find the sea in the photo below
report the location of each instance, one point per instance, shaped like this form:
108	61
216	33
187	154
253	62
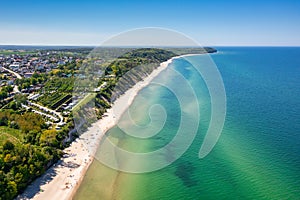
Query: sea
257	155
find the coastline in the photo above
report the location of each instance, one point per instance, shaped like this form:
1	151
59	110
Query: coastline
62	180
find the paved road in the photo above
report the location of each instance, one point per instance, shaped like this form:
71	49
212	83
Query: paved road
15	73
16	89
61	118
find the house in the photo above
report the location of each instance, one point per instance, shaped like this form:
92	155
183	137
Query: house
61	63
10	82
28	74
40	68
1	69
15	66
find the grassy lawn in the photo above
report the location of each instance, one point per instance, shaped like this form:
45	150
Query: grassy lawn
84	101
11	134
10	52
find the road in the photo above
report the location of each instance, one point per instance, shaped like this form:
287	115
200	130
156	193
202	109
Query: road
16	89
61	118
15	73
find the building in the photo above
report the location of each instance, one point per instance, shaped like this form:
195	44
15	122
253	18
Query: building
28	75
15	66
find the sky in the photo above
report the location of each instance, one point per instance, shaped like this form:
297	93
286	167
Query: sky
209	22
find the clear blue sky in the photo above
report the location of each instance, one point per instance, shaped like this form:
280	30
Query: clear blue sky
210	22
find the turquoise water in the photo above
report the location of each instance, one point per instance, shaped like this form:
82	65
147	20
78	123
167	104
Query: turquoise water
258	153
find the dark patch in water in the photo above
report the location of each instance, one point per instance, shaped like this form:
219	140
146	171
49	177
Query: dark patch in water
185	172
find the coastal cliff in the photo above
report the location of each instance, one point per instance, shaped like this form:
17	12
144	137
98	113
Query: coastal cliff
139	63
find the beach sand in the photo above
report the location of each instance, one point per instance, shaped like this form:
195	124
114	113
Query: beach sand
62	179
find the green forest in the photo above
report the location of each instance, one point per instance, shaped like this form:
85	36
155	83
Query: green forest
27	149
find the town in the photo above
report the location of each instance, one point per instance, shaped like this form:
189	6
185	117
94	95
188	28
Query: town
26	73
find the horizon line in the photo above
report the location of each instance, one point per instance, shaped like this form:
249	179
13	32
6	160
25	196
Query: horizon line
93	45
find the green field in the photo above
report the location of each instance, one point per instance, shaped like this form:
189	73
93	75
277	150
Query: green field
10	52
11	134
84	101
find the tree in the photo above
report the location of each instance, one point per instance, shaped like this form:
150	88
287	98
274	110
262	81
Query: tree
30	121
14	125
8	89
8	145
11	189
33	81
3	95
32	137
3	119
48	138
20	99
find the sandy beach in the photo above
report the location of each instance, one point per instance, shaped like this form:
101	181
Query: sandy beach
62	179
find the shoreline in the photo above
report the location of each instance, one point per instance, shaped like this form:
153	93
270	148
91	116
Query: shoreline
62	180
